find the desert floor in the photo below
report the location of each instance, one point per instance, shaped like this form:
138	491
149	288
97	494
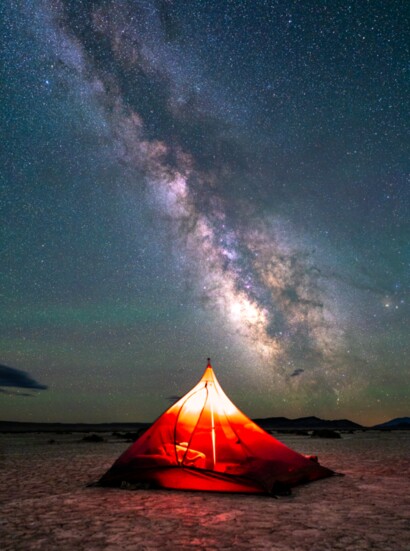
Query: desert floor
45	504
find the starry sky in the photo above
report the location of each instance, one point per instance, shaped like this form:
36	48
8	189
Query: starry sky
183	179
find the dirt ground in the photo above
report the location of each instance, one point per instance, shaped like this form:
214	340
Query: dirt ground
45	504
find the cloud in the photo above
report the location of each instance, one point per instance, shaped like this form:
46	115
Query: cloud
297	372
11	377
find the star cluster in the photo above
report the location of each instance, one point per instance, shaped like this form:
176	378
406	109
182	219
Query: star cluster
191	179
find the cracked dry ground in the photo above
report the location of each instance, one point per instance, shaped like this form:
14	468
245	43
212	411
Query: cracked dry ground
44	502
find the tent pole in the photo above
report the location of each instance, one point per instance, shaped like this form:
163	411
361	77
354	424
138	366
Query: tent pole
212	428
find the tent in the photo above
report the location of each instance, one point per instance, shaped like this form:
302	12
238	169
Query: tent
203	442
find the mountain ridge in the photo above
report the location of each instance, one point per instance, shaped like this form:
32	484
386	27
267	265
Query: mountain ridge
399	423
268	423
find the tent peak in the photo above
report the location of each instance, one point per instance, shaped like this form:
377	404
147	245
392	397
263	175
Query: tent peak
209	372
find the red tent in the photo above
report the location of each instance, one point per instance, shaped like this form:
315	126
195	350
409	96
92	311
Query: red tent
203	442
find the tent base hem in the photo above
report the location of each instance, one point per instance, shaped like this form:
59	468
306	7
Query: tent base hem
191	479
184	478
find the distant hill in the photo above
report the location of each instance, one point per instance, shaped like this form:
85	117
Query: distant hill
272	423
267	423
400	423
16	426
306	423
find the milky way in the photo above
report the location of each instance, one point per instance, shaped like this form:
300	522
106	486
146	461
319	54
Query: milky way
253	187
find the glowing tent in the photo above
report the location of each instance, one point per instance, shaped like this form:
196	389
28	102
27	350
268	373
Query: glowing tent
203	442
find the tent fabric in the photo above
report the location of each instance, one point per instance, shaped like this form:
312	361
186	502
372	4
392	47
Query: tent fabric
204	442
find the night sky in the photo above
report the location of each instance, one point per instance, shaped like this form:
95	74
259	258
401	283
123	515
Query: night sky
184	179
